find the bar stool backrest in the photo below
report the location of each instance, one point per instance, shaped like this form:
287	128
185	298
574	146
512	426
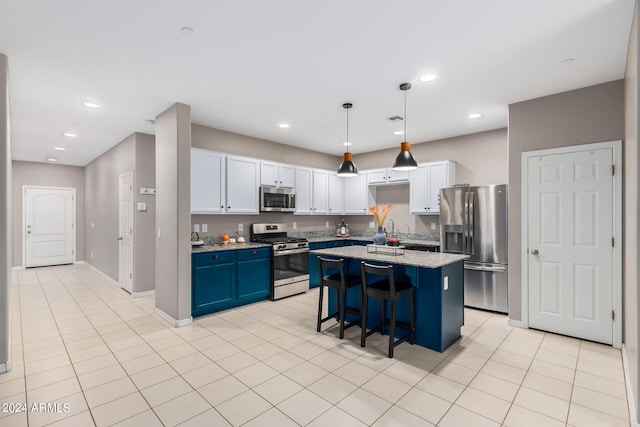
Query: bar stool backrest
328	264
385	271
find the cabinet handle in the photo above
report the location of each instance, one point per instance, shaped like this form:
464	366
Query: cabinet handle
222	207
254	253
215	257
228	207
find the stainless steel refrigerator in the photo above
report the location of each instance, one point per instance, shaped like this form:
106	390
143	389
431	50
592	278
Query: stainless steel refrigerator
473	221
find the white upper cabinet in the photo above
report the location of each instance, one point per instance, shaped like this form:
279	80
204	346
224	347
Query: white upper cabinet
304	179
356	192
312	191
336	193
207	182
426	183
242	185
275	174
386	176
320	191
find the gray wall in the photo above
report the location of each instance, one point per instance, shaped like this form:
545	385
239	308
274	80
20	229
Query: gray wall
48	175
592	114
136	153
465	150
232	143
631	209
5	217
144	223
101	205
173	213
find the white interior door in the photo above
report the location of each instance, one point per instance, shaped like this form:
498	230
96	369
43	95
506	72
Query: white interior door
49	226
125	239
570	254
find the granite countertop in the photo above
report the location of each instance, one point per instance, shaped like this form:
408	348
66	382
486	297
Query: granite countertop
414	258
336	237
228	247
370	239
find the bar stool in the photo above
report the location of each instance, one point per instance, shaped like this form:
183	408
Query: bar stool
340	281
386	289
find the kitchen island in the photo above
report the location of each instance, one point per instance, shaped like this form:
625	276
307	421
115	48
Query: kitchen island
438	280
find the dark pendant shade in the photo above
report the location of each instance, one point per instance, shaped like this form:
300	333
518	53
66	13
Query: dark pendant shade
347	168
404	160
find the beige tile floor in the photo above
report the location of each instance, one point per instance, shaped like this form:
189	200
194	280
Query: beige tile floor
105	359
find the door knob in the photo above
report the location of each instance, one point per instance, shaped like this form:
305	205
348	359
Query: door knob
119	238
534	252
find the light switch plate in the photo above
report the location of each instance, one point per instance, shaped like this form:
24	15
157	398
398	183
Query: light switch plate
446	282
240	227
433	226
205	227
372	225
196	227
295	225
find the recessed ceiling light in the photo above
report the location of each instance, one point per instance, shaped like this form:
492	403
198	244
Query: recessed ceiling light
346	143
567	61
52	159
90	104
325	129
187	31
475	115
70	134
150	122
399	132
284	125
427	77
59	148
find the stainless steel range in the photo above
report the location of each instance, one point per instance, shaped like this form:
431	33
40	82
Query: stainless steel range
290	259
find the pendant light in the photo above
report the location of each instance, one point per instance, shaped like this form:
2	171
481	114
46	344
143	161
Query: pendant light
404	160
347	168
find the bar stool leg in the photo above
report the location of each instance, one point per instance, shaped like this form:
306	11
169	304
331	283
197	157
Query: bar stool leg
321	293
363	314
342	310
392	327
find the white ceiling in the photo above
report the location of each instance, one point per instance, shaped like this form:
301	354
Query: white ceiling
253	64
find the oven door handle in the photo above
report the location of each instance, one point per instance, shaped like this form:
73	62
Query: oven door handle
290	252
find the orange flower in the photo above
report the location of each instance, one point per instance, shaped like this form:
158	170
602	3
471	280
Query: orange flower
380	213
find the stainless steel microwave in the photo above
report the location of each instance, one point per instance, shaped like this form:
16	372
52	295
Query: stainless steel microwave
277	199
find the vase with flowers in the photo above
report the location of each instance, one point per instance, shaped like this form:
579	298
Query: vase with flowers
380	216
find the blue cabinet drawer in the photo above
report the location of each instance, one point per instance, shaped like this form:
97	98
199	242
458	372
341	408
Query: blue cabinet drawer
247	254
212	258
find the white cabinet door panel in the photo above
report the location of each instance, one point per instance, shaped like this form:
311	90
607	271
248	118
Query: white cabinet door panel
336	193
242	185
207	182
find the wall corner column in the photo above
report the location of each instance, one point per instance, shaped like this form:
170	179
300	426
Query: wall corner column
5	218
173	215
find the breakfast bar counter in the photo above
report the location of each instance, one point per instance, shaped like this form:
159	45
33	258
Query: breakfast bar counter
438	280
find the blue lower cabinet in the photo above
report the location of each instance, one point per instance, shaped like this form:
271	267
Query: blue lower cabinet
226	279
254	275
213	282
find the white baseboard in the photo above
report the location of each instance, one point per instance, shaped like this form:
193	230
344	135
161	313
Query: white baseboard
5	367
517	323
143	293
171	320
108	279
18	267
633	415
